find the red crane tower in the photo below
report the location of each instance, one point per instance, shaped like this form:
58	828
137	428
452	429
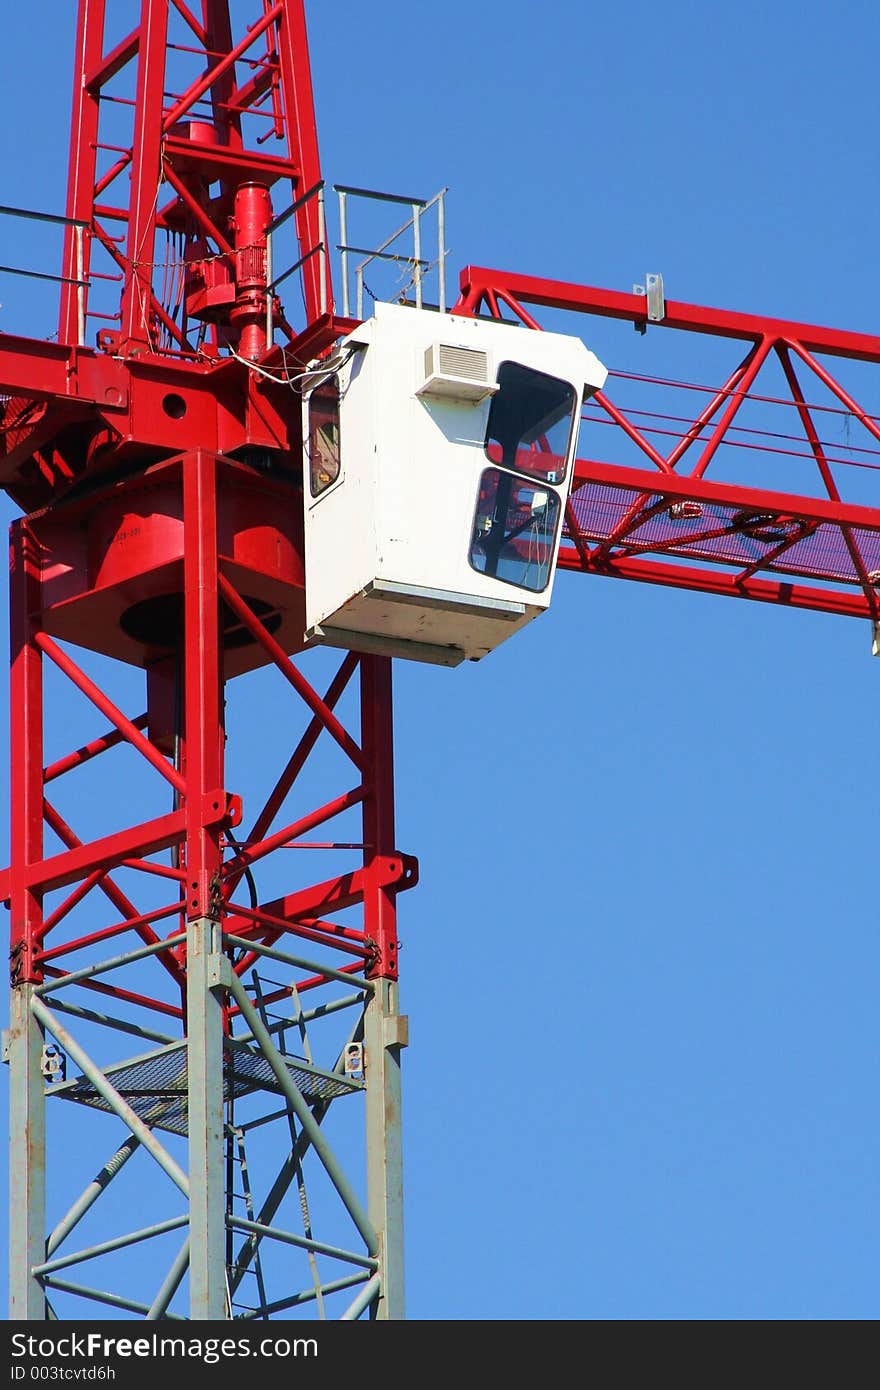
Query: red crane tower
155	449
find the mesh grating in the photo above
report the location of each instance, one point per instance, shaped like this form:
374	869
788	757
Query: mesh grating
815	552
155	1085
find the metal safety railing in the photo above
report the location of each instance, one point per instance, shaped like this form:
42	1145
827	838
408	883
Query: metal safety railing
414	260
419	265
79	230
319	249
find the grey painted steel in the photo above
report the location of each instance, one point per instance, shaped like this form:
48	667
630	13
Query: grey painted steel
240	1223
301	1109
309	1015
117	1243
106	1021
170	1284
299	962
27	1157
306	1069
299	1023
238	1137
38	275
280	1186
418	206
343	238
98	1184
273	282
384	1148
307	1296
80	287
379	196
111	964
286	215
34	216
207	1248
113	1300
277	1193
441	250
116	1102
322	242
266	1119
417	255
363	1300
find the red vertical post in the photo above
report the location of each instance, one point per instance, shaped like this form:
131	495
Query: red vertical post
218	39
145	174
377	741
27	1124
302	143
83	157
203	731
26	773
385	1029
203	749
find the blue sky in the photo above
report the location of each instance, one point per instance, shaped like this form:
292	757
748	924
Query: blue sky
641	966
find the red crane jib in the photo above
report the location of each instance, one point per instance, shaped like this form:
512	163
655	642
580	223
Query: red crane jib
758	487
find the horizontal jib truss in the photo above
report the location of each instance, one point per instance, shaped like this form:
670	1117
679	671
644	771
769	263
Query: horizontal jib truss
757	482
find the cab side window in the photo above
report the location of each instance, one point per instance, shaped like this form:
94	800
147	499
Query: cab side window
323	439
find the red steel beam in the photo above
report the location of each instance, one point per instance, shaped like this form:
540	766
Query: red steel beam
125	726
724	323
90	750
79	943
203	727
290	672
278	926
385	871
59	870
816	600
124	996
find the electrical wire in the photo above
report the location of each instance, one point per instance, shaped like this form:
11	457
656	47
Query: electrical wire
328	368
746	429
731	391
742	444
249	878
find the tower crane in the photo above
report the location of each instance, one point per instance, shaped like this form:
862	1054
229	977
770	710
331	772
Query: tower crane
216	484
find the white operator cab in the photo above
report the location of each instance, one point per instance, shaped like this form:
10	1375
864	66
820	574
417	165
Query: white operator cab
438	454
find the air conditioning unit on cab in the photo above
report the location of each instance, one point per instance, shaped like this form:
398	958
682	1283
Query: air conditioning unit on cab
459	374
437	460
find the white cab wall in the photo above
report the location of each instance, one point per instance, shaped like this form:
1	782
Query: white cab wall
387	545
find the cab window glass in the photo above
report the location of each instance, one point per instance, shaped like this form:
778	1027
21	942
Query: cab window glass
323	440
531	419
514	535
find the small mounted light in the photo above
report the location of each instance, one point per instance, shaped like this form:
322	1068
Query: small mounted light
685	511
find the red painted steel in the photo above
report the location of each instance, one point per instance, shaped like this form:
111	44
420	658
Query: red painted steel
691	514
26	789
201	829
162	478
162	475
175	213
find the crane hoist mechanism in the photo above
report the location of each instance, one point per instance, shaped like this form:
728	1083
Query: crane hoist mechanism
211	483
